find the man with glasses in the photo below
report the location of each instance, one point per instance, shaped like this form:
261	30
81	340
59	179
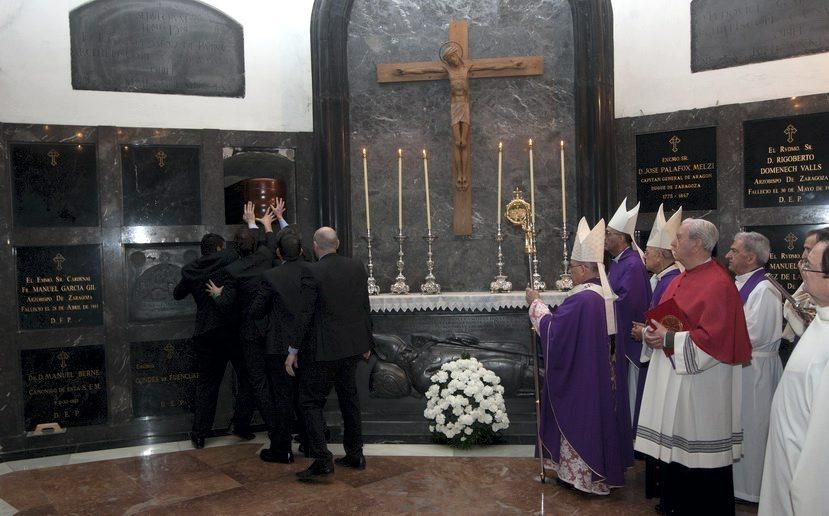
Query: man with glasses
796	324
762	305
578	435
796	456
629	280
692	422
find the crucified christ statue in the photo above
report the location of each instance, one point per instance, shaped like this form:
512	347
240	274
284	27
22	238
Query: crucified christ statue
459	69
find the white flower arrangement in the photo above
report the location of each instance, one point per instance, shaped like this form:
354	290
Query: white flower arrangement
465	404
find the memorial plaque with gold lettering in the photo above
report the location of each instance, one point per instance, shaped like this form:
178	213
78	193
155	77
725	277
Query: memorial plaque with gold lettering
164	375
54	184
786	250
677	168
64	385
59	286
152	274
161	185
786	161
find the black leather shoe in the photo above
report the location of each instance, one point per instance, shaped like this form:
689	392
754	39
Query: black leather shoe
352	461
318	468
269	455
197	440
244	433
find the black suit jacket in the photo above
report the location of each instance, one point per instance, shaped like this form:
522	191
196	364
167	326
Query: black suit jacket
244	278
342	319
194	277
287	295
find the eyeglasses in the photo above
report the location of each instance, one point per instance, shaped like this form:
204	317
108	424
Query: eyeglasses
571	267
806	267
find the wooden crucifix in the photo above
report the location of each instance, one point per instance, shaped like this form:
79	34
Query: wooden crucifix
456	65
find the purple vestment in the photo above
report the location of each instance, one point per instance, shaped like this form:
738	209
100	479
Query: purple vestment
578	401
629	280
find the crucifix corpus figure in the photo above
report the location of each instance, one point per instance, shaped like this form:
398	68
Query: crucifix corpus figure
456	65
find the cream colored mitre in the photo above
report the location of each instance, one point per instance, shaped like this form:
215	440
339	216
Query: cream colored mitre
624	221
664	232
588	246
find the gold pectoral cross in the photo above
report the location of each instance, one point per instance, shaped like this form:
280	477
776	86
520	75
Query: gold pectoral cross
160	156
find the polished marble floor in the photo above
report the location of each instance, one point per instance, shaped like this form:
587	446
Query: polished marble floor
227	477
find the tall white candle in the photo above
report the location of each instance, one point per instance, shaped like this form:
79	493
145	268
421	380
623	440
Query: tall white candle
563	190
532	185
400	190
365	187
500	161
426	181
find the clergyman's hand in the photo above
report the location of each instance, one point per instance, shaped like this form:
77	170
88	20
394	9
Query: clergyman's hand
636	331
212	289
248	214
366	355
655	335
290	364
532	295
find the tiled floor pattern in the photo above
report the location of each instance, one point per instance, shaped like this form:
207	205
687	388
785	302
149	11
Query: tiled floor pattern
228	478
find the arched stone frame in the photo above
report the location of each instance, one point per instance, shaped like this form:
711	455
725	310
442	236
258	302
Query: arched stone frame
594	113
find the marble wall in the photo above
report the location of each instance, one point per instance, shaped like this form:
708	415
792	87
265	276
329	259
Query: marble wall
412	116
117	246
730	215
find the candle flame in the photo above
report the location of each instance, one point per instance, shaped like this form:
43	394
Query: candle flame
562	143
424	153
500	145
364	152
399	153
531	143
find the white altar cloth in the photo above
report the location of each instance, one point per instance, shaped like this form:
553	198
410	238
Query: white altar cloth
480	301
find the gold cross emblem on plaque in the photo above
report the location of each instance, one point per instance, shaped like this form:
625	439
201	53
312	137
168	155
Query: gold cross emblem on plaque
63	356
59	259
53	157
790	131
160	156
169	349
791	238
674	141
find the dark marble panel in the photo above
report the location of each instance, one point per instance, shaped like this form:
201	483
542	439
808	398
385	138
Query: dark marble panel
161	185
157	46
731	214
54	184
677	168
787	161
152	274
726	33
786	250
59	287
413	116
164	375
64	385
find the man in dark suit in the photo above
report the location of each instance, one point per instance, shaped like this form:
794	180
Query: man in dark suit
286	296
213	337
341	337
236	296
